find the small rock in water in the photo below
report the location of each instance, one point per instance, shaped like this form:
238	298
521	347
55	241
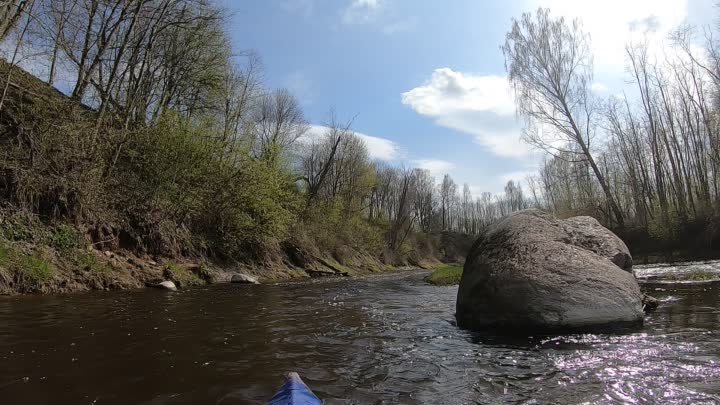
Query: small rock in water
167	285
649	303
243	279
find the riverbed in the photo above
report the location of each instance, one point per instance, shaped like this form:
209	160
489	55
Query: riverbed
388	339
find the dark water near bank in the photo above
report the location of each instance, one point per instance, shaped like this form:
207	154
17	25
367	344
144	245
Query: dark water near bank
383	340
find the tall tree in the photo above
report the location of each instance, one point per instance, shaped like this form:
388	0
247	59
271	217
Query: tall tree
550	67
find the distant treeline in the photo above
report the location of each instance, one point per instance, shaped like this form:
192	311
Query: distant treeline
647	161
166	140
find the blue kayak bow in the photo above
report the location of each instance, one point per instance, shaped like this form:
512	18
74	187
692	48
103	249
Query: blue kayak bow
294	392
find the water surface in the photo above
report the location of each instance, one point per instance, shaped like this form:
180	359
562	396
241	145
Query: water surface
388	339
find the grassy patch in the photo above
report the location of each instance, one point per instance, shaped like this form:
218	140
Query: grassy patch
446	275
182	276
30	269
33	269
697	275
339	268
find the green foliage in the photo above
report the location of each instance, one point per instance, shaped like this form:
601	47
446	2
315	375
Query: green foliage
21	226
332	225
187	194
28	267
65	238
446	275
33	269
4	254
182	276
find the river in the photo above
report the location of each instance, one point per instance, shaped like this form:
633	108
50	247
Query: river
387	339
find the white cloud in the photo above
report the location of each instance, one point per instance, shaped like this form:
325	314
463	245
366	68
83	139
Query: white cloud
612	23
480	105
361	11
436	167
366	3
378	148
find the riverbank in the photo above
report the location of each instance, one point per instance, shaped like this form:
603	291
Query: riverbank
41	258
33	269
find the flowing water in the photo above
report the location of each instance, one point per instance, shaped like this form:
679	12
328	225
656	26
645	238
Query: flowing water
388	339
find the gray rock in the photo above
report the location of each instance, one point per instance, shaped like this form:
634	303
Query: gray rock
531	271
650	303
243	279
166	285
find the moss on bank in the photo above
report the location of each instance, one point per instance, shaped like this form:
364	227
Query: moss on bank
696	275
446	275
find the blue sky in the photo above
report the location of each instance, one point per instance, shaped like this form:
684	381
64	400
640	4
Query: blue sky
426	79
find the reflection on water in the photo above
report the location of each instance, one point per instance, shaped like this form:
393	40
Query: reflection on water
384	340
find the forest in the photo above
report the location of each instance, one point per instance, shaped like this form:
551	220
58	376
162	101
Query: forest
645	161
162	138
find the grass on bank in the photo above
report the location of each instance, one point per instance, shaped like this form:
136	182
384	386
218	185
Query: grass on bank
695	275
181	276
446	275
29	268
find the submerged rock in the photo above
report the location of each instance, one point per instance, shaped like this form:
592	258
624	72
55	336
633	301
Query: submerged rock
536	272
243	279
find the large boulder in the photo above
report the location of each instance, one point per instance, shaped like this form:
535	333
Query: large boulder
531	271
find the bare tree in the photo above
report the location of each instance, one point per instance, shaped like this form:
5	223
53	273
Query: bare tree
550	67
448	189
278	123
10	13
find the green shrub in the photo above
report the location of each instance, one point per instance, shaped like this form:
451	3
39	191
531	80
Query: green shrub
65	237
185	193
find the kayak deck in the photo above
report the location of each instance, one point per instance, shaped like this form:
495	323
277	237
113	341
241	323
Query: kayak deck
294	392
